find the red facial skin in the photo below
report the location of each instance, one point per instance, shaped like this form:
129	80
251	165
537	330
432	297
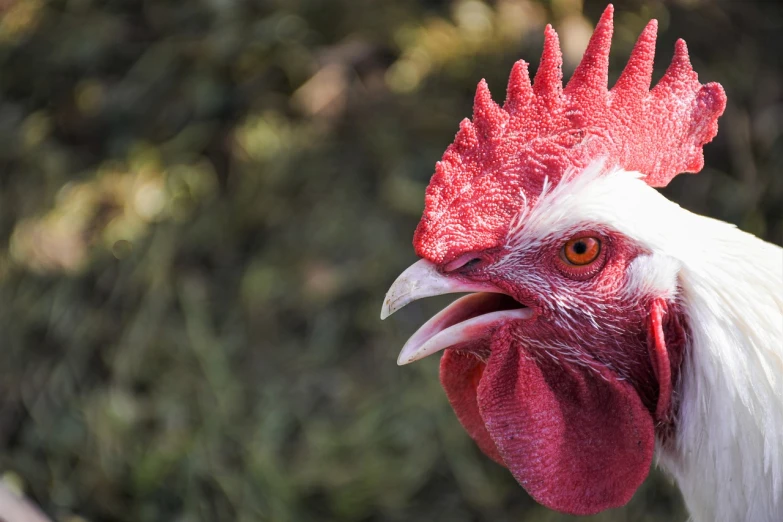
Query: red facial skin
570	400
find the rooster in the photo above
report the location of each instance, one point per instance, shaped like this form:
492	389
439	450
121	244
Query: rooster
604	325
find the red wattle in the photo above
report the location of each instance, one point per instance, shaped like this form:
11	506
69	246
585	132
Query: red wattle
578	440
460	374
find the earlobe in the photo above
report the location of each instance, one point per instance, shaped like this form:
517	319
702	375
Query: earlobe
659	357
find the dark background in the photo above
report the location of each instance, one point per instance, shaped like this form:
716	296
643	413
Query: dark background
202	205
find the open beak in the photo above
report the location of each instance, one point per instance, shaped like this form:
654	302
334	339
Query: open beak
469	318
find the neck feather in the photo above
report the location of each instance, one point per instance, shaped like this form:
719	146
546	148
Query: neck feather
727	452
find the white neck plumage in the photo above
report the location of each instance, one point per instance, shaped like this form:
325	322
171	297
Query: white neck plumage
727	449
727	452
727	456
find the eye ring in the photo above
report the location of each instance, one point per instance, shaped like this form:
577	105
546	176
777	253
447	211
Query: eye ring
581	251
583	256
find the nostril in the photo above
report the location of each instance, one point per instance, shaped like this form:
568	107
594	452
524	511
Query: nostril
463	262
470	264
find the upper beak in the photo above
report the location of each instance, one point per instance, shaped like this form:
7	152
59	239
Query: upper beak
469	318
420	280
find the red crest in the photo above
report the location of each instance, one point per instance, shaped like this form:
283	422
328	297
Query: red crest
499	160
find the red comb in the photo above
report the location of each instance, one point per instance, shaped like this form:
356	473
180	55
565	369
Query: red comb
500	160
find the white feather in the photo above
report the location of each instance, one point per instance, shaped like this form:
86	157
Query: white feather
728	453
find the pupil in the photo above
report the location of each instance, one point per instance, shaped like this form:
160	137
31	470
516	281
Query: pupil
580	247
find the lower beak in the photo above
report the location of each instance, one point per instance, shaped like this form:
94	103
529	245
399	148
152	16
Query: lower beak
467	319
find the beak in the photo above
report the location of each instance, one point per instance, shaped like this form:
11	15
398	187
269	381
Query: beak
467	319
421	280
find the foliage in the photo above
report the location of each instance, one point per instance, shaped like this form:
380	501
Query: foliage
203	204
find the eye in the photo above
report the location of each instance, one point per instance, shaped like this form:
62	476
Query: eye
581	251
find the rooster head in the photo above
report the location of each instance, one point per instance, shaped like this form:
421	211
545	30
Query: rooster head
562	361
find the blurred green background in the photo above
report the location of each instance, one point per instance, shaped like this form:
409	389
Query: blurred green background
203	203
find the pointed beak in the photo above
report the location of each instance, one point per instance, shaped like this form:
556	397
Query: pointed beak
467	319
421	280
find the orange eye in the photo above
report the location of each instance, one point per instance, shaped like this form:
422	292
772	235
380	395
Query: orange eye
581	251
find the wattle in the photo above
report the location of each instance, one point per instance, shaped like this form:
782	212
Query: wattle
577	438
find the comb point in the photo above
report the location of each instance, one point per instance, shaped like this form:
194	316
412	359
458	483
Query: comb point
592	73
681	60
710	104
519	88
637	75
466	138
488	118
548	82
679	76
